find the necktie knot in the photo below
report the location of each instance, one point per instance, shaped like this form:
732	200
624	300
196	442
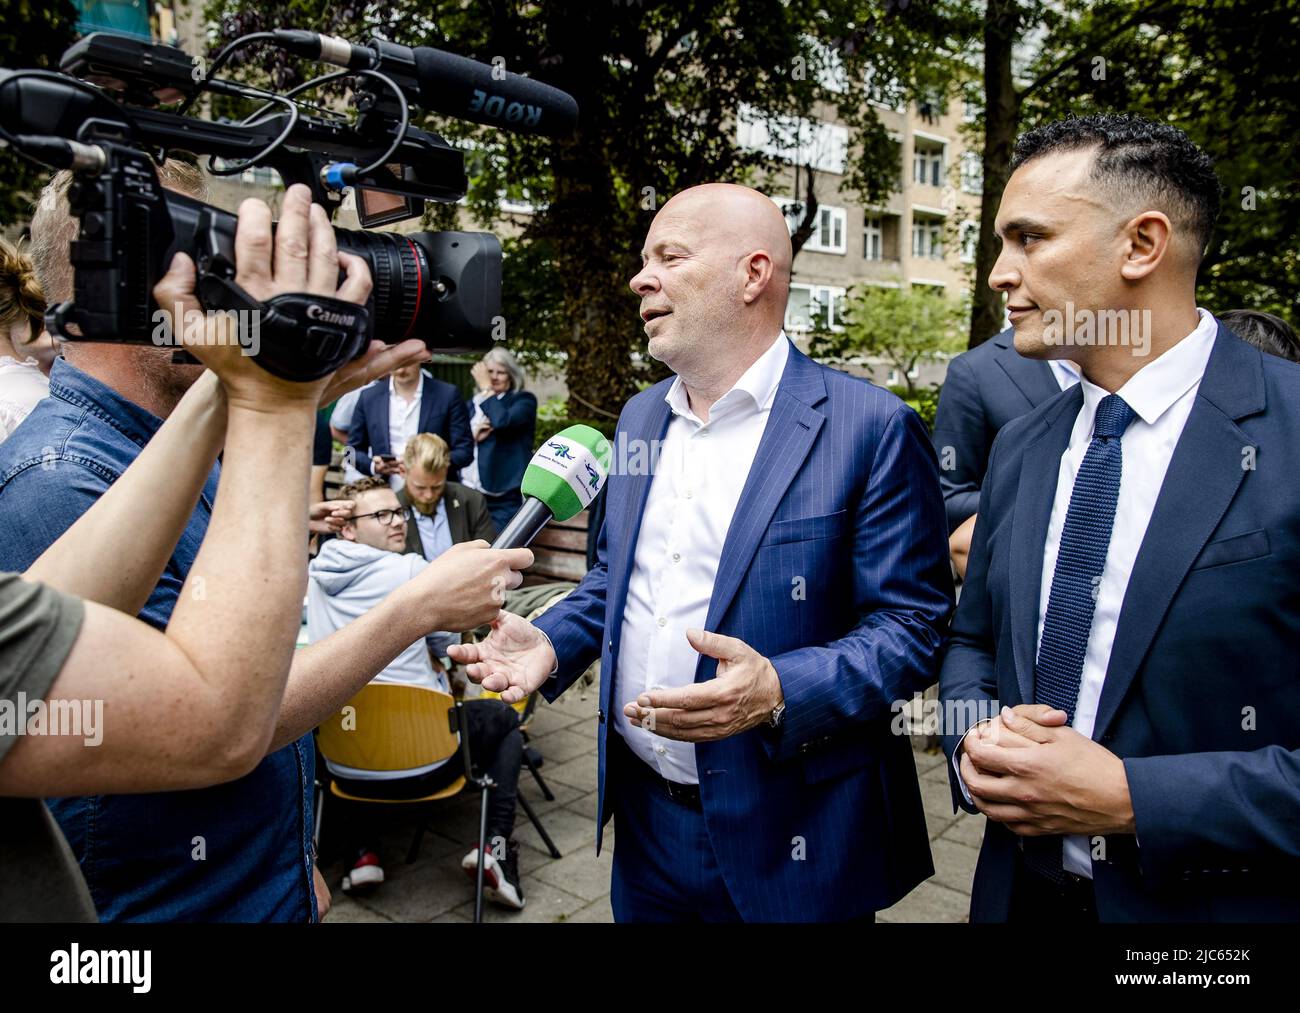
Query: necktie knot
1113	417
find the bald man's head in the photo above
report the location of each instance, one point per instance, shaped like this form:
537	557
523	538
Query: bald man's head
715	273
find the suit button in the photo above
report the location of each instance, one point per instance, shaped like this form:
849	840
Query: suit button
600	716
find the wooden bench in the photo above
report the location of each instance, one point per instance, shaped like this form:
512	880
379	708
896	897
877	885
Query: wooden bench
560	552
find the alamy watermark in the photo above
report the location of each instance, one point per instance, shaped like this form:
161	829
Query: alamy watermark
209	327
82	718
1095	328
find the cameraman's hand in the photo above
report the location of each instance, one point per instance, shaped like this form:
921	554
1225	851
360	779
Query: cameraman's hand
465	586
301	257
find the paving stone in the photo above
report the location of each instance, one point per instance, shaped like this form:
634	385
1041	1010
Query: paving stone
419	892
345	910
580	872
936	797
929	902
954	865
585	805
547	719
568	830
579	772
967	830
600	911
544	903
560	747
926	761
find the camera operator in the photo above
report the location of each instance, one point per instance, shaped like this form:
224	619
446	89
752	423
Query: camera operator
240	851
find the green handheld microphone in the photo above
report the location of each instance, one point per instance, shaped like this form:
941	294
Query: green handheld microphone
560	482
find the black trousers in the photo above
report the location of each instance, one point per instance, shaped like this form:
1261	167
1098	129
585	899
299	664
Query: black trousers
496	748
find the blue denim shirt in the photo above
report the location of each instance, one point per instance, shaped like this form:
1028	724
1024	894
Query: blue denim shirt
240	851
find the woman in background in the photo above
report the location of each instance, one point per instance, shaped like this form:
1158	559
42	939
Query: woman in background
503	419
26	351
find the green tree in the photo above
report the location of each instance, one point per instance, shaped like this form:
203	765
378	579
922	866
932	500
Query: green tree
1212	67
31	35
903	326
660	85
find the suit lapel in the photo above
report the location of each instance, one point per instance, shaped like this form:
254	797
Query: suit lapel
457	518
426	405
1203	477
788	437
1033	377
1039	471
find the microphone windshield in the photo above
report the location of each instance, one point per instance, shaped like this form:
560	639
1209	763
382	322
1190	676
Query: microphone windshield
568	470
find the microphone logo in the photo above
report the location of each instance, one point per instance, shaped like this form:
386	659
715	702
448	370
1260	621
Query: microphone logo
562	451
593	476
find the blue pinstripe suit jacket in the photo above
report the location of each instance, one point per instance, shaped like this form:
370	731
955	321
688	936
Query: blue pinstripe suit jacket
824	820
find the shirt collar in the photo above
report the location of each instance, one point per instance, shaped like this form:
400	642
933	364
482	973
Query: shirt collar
756	386
394	396
69	384
1154	388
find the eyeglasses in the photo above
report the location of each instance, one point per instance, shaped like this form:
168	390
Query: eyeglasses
385	517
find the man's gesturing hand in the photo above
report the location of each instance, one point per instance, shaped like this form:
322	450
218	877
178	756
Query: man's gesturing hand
742	696
514	660
1045	778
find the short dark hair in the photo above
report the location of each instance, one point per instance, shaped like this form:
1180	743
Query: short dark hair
1156	160
367	483
1263	330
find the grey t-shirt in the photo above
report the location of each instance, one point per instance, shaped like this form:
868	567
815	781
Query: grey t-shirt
39	878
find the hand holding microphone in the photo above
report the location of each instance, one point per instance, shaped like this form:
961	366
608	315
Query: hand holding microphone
562	479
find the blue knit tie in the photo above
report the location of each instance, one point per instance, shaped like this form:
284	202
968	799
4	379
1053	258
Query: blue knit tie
1076	581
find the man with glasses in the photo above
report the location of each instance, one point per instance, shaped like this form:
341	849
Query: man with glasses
351	575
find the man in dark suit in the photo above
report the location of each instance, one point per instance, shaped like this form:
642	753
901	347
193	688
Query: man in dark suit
390	413
444	513
1131	615
772	577
985	389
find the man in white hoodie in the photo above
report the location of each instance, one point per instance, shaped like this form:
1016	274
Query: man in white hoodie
352	574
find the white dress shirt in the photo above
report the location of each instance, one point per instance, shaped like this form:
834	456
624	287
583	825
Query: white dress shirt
403	424
22	386
1161	394
1065	371
693	495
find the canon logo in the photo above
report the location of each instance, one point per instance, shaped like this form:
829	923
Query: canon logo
315	312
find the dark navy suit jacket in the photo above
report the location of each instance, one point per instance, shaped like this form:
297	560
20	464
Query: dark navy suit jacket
842	500
985	389
441	411
504	456
1202	694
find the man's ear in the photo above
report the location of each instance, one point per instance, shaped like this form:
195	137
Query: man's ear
758	274
1148	239
348	532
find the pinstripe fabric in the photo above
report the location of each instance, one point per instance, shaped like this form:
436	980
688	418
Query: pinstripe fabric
835	567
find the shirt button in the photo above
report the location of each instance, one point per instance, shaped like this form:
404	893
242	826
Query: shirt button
688	494
661	750
663	621
677	557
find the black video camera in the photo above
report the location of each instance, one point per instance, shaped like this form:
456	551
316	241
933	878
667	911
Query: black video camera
100	118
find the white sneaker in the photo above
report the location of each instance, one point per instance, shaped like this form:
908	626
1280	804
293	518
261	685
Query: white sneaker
501	883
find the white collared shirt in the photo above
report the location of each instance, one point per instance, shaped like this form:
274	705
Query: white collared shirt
435	530
1161	393
403	423
701	471
1065	372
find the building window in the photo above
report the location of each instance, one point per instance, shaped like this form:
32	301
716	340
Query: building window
829	235
873	240
972	172
823	146
813	303
927	240
970	237
927	163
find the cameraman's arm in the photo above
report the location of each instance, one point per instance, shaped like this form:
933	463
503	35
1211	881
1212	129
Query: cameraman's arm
198	704
461	590
115	553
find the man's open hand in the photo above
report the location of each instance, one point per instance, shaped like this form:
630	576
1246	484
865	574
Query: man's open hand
742	696
515	660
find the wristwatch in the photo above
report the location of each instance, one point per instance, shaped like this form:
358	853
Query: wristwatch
778	714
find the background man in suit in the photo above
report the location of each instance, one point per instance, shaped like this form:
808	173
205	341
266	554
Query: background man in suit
388	414
985	389
444	513
759	602
1132	597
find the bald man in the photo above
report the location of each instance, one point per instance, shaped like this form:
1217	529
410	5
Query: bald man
761	600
